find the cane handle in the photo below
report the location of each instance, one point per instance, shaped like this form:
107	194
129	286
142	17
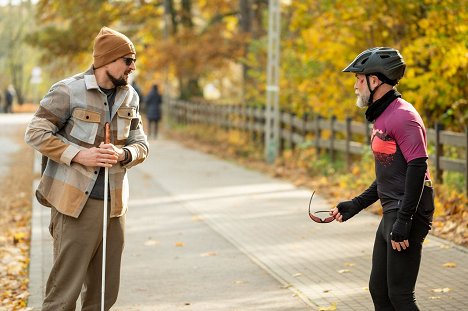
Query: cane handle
107	133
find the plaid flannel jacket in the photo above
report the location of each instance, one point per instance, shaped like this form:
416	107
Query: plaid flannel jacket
71	117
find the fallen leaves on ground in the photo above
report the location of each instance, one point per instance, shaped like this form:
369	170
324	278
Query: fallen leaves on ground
449	265
208	254
441	290
15	225
328	308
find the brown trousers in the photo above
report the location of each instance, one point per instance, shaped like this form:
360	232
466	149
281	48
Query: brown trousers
78	259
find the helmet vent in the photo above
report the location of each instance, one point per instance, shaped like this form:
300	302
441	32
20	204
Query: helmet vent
384	56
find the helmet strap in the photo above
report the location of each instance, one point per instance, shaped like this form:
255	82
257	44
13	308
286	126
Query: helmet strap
371	97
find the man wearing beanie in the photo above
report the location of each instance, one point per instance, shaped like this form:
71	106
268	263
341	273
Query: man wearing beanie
68	130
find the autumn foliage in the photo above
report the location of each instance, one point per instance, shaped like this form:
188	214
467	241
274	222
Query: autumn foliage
186	45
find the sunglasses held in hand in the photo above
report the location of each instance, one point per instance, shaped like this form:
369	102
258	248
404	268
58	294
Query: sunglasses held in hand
318	219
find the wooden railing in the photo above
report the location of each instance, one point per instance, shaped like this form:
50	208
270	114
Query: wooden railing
349	137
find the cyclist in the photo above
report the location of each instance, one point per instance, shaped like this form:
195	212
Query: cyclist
402	182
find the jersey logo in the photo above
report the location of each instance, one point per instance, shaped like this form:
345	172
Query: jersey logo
383	147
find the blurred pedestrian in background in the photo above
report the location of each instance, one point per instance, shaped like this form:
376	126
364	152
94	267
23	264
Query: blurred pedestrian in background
9	96
153	111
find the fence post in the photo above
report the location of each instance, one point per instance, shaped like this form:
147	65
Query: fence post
368	132
439	149
262	123
348	142
281	141
243	118
292	130
332	139
305	118
255	135
250	122
220	116
318	133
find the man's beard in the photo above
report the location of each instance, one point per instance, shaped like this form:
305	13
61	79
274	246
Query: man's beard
362	100
117	82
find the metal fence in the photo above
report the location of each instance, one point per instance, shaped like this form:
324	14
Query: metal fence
331	135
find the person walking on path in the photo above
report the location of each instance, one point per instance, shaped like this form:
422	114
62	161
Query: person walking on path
153	111
68	128
402	182
9	95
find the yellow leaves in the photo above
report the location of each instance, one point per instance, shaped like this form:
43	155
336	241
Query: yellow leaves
328	308
346	264
15	230
19	237
239	282
424	24
456	58
441	290
13	280
449	265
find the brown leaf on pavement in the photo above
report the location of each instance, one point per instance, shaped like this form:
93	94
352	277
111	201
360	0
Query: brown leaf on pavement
209	254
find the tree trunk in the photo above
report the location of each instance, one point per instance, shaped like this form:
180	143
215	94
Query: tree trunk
189	87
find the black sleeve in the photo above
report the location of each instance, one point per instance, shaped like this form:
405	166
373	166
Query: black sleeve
368	197
414	184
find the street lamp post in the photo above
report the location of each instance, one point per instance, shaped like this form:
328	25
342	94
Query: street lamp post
272	88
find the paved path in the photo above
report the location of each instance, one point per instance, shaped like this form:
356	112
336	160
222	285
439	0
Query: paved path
205	234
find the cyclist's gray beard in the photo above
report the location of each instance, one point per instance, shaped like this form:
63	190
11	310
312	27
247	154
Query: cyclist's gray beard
362	100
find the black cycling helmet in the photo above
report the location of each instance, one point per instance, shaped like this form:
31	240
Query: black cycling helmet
386	63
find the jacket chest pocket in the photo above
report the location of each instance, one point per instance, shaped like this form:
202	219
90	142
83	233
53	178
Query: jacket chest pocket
124	120
86	124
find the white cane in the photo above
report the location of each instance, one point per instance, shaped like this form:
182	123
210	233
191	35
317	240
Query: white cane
104	222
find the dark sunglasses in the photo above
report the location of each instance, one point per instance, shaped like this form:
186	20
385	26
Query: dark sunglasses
128	60
318	219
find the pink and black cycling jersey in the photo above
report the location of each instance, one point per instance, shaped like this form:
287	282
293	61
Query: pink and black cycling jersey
398	137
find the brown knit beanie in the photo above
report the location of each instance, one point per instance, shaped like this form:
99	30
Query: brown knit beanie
110	45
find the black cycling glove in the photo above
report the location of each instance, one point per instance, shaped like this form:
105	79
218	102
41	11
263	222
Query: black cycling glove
401	230
350	208
414	184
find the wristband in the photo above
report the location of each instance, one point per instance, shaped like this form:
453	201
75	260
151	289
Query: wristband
127	156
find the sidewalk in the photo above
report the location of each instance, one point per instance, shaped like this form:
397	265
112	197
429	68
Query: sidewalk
204	234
